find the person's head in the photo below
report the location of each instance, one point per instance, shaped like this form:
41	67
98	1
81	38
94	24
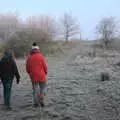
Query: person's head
35	46
8	52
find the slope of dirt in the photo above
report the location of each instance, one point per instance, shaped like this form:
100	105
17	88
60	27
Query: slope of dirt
74	90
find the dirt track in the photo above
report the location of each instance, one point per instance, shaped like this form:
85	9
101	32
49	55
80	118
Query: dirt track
74	92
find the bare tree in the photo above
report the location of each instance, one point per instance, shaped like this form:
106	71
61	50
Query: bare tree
107	29
69	26
9	23
43	23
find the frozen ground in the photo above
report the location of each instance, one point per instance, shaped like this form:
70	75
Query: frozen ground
74	90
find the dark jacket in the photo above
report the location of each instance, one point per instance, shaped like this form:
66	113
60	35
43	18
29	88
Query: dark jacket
8	68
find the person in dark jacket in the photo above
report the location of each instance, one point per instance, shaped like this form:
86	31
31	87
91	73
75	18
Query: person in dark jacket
8	70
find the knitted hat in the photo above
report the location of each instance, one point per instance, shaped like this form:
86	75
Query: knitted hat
34	46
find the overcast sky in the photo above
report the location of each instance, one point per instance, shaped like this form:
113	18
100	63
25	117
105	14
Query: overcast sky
88	12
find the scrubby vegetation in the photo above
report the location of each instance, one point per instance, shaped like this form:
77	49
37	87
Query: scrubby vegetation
43	29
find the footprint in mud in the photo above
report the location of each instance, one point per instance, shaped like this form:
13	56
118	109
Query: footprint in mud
26	106
39	116
34	117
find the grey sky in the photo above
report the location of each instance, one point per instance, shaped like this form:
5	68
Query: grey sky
88	12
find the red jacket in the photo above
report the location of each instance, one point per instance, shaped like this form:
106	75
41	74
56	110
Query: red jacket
36	66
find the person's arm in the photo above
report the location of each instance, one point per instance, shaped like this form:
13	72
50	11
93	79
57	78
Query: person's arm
0	67
44	62
27	66
16	73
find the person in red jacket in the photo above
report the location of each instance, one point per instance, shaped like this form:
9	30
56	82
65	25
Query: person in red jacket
36	67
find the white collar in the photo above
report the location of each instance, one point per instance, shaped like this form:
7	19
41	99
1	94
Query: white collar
35	47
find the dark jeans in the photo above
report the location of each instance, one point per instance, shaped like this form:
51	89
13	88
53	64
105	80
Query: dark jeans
7	86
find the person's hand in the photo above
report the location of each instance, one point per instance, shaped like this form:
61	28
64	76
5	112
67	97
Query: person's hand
18	80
